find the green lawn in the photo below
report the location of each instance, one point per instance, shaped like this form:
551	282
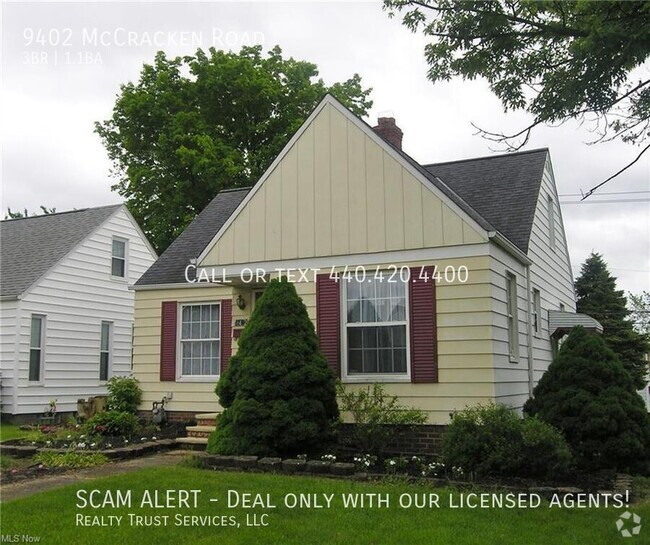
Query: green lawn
11	431
52	515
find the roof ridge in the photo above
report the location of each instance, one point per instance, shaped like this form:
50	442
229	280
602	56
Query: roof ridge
64	212
484	157
233	189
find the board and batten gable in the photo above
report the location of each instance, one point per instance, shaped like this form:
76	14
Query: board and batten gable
338	190
75	296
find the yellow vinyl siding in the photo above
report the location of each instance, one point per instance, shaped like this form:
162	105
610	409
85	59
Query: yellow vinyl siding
337	192
465	344
187	396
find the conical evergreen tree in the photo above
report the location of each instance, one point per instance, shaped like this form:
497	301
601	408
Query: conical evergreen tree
588	395
278	393
597	296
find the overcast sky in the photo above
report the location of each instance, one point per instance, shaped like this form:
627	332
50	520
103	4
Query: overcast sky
63	63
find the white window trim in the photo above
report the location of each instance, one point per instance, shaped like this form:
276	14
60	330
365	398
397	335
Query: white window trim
513	328
254	293
126	260
552	242
41	374
371	377
111	329
179	355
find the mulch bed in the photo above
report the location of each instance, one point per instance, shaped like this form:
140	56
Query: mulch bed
30	472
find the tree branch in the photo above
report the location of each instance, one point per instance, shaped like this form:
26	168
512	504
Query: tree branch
601	184
563	30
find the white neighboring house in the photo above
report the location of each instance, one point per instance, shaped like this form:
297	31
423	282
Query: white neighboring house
66	311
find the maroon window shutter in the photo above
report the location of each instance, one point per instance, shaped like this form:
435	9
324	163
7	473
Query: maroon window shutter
328	318
168	331
226	333
423	336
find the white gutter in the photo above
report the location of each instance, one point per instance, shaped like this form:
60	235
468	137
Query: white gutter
502	241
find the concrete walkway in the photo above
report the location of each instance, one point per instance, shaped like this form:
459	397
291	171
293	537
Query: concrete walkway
22	489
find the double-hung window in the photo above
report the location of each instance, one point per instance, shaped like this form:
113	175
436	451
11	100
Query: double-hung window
106	339
36	342
118	258
513	318
376	327
537	311
200	340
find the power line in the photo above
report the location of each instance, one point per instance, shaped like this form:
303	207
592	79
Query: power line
608	201
604	193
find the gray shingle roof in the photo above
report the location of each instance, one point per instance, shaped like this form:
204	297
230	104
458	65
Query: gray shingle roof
447	189
29	247
170	266
498	192
503	189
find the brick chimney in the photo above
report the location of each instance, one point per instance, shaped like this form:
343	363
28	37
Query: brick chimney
387	129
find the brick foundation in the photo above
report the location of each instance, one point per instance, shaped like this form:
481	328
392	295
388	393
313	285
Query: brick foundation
172	416
423	439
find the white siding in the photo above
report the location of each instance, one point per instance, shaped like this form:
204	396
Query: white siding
510	377
76	296
550	272
8	314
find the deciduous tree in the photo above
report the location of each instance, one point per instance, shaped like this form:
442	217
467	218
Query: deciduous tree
195	125
557	60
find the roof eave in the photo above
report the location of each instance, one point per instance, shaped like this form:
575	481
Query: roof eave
509	247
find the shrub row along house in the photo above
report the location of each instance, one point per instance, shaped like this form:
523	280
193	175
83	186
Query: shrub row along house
66	311
344	195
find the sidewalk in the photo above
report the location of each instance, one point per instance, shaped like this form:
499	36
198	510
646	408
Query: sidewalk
22	489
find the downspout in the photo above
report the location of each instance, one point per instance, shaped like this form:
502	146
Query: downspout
529	327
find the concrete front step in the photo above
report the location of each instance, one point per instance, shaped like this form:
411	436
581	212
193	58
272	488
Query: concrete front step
206	416
193	443
206	419
199	431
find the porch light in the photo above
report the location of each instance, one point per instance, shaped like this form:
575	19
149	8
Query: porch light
241	302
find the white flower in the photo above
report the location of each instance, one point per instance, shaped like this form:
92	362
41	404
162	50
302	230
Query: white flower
143	438
69	437
81	436
154	438
92	445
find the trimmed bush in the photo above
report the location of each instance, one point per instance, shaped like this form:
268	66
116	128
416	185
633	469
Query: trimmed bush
591	398
377	416
124	394
113	423
492	440
278	393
